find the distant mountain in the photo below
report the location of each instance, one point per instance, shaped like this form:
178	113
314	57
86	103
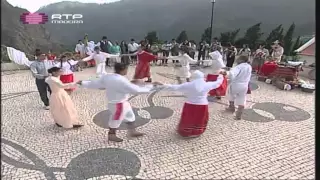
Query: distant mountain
23	37
134	18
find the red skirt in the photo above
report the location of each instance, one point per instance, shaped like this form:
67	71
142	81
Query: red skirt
67	79
220	91
142	71
194	120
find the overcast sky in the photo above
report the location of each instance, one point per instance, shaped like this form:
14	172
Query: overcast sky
34	5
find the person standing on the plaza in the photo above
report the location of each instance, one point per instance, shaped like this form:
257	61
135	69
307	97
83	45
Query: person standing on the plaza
238	86
201	51
166	46
277	51
195	114
217	68
118	89
133	48
231	52
105	47
245	51
80	49
62	108
259	57
116	50
193	49
100	59
124	50
184	60
155	50
39	69
175	50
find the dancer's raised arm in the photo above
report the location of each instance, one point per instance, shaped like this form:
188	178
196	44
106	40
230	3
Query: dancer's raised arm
93	84
215	84
88	58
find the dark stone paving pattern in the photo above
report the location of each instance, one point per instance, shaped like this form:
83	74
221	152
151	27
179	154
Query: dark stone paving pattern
278	110
90	164
101	162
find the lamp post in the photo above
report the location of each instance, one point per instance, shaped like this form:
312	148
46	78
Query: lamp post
212	2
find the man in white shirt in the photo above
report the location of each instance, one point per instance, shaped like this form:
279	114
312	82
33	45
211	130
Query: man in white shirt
277	52
100	59
118	89
133	48
80	49
238	86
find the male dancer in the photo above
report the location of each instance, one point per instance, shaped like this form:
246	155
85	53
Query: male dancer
39	69
118	88
100	58
238	86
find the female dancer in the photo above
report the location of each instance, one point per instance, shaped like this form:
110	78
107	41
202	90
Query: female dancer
143	67
195	115
217	67
67	67
62	108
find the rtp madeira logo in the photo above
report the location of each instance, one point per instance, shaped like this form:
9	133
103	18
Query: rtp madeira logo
34	18
42	18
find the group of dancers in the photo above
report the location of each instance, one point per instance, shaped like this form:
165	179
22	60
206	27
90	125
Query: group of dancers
57	78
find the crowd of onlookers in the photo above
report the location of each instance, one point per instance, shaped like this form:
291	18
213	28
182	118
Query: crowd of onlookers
199	51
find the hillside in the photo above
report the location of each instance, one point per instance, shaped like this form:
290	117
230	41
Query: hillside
23	37
134	18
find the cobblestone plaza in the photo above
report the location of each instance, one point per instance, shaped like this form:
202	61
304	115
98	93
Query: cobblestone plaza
275	139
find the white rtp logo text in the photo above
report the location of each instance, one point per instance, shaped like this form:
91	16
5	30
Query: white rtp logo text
66	18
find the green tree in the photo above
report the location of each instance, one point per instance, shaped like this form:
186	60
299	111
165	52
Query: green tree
298	43
275	34
287	40
182	37
206	35
152	37
253	35
227	37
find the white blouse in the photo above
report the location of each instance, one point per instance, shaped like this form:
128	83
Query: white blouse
66	66
197	90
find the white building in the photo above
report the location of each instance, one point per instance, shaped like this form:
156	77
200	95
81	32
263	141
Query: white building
307	54
307	51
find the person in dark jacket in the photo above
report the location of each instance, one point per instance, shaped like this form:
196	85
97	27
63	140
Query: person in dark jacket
202	51
105	47
124	50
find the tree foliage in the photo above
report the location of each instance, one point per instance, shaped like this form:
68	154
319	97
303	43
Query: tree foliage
182	37
275	34
287	40
227	37
253	35
298	43
152	37
206	36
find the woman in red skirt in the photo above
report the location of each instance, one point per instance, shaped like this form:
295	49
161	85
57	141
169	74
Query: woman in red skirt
195	115
217	67
50	56
67	67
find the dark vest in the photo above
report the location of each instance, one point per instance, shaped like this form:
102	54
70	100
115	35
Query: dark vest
104	46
